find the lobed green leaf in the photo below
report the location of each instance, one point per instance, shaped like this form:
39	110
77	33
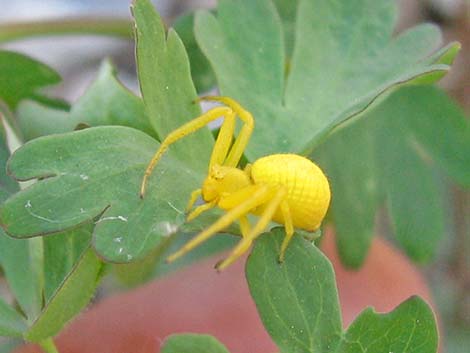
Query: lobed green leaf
335	72
409	328
391	154
97	173
165	82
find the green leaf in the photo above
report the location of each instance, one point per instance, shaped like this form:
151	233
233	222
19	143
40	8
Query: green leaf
61	253
348	158
409	180
96	173
192	343
73	295
408	328
415	128
297	300
21	77
11	322
335	72
201	71
105	102
166	86
298	304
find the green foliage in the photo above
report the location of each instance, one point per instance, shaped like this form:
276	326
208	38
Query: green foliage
303	68
408	328
52	279
396	149
298	300
334	74
105	102
11	322
166	86
97	173
201	71
72	296
190	343
298	303
22	77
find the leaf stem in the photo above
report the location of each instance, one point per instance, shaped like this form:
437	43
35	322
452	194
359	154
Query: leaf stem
48	345
72	26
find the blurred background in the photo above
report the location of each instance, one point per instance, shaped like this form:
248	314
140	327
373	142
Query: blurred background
449	275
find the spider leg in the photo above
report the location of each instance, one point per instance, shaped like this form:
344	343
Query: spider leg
289	228
200	209
224	140
260	196
178	134
243	137
244	225
192	200
256	231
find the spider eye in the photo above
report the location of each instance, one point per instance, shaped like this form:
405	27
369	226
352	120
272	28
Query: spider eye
216	173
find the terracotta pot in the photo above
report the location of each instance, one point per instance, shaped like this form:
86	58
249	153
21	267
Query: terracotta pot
198	299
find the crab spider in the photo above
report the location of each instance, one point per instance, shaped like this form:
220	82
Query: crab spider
285	188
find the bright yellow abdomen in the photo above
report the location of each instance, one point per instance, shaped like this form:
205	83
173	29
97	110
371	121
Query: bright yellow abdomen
308	190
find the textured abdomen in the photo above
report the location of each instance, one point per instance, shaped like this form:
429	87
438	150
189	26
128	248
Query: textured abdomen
308	191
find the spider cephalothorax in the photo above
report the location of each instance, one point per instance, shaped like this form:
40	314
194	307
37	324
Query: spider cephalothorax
285	188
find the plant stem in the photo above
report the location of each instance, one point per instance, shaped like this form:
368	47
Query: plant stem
72	26
49	346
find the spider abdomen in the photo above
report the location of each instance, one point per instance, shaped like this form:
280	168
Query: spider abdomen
308	191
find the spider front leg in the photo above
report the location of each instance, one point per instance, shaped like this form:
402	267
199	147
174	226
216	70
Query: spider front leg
257	196
178	134
243	137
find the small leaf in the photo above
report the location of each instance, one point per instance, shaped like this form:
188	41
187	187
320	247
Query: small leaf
297	300
105	102
11	322
335	72
166	86
96	173
73	295
21	77
409	328
192	343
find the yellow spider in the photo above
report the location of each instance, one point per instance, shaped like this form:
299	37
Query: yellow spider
285	188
